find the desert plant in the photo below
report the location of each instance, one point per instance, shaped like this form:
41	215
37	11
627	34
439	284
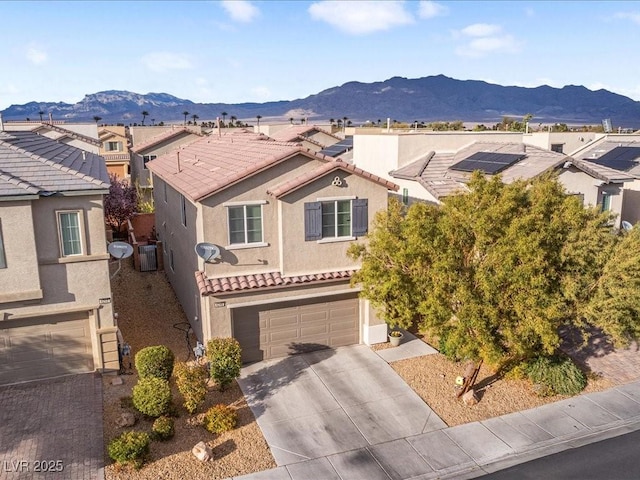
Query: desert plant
220	418
130	448
192	384
152	396
163	428
558	375
225	360
155	362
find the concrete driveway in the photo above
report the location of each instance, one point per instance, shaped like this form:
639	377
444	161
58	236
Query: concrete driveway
52	429
331	401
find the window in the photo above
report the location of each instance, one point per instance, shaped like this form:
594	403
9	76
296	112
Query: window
3	258
557	147
245	224
336	219
70	236
113	146
183	210
606	201
147	158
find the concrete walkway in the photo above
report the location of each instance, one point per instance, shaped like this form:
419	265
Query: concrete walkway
464	451
52	429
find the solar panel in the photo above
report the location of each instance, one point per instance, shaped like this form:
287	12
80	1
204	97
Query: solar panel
338	148
620	158
487	162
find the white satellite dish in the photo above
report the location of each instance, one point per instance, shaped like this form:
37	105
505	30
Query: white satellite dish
207	251
120	250
626	225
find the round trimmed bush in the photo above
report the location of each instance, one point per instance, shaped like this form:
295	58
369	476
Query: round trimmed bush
225	360
192	384
130	448
155	362
556	375
220	418
163	428
152	396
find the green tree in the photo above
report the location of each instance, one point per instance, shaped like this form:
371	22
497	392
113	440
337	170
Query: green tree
97	119
195	117
232	120
40	113
258	117
489	272
185	113
145	114
224	117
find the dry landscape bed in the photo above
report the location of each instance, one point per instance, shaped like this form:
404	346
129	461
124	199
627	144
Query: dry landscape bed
148	309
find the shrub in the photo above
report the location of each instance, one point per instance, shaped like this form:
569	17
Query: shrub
152	396
558	375
163	428
129	448
192	384
224	355
220	418
155	362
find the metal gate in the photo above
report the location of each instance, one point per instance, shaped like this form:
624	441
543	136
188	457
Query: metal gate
148	260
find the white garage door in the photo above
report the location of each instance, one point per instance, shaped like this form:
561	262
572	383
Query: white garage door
277	330
44	347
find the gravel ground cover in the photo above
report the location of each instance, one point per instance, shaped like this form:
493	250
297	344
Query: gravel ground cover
148	309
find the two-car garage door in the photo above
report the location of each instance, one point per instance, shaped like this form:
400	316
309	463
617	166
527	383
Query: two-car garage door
277	330
44	347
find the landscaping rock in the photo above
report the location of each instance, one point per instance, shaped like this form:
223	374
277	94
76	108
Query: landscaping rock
202	452
117	380
470	398
126	419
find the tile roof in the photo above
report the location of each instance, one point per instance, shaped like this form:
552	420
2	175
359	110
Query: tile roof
32	164
433	172
601	172
67	133
215	162
258	281
306	178
162	137
608	143
293	132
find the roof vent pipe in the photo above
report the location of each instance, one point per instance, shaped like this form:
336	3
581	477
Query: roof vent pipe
1	124
178	157
388	124
51	118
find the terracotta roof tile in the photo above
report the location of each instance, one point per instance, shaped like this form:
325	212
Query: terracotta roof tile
306	178
162	137
292	133
214	286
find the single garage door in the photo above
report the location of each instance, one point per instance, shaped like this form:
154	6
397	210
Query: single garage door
277	330
44	347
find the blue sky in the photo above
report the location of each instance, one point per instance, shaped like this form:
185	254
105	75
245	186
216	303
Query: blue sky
241	51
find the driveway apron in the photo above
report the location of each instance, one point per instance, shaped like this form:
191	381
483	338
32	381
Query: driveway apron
332	401
52	429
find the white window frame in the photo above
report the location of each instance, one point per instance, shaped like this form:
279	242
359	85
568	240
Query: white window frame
3	256
335	218
108	144
146	159
183	210
59	214
244	206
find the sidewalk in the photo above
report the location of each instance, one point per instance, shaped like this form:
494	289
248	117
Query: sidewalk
475	449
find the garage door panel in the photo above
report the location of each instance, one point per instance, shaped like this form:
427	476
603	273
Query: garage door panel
296	327
44	347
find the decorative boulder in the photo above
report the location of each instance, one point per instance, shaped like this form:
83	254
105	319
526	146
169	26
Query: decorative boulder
126	419
470	398
202	452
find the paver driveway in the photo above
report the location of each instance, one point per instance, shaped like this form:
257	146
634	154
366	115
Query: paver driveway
331	401
52	429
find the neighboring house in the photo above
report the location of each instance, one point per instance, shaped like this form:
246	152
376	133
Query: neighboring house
152	142
311	137
613	162
115	149
55	296
79	135
283	219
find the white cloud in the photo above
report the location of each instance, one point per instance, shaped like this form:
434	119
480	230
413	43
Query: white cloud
481	30
481	39
36	55
633	16
361	17
241	10
165	61
261	93
429	9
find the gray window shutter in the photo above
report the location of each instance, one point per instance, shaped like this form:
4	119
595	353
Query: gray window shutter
312	221
360	217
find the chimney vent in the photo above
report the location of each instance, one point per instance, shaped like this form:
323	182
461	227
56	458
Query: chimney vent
178	157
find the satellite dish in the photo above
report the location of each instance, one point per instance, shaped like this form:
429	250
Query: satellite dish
626	225
207	251
120	250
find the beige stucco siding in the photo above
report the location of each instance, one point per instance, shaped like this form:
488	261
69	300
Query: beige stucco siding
19	281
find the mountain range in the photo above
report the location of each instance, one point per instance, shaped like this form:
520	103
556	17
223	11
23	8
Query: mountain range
428	99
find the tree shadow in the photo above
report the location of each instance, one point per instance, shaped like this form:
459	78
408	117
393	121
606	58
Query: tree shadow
581	346
481	387
263	380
